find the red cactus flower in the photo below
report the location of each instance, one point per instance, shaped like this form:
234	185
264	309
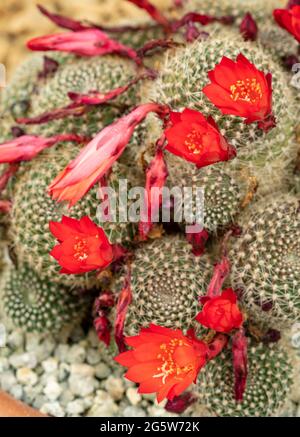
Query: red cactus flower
197	139
248	28
88	42
83	246
97	157
289	19
239	88
26	147
221	313
163	361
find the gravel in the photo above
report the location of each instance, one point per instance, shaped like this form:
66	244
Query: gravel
73	375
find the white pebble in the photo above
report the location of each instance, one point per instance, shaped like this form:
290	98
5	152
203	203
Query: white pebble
133	412
50	365
27	359
52	390
102	370
53	409
82	386
133	396
82	370
26	376
75	407
115	387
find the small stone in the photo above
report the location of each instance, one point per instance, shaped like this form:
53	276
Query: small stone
103	406
115	387
82	386
7	380
52	390
32	342
50	365
53	409
16	391
82	370
93	356
102	371
15	339
76	354
4	364
66	397
63	371
159	412
26	376
133	412
61	352
133	396
27	359
76	407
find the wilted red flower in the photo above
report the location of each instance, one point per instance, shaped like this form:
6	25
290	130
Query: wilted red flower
248	28
289	19
221	313
97	157
152	11
88	42
197	139
163	361
156	176
239	88
240	363
26	147
83	246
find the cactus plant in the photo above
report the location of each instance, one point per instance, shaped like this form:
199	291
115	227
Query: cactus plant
160	287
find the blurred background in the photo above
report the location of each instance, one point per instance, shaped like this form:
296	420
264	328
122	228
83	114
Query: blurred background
20	20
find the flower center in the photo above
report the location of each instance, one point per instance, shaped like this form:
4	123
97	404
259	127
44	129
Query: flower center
194	142
247	90
80	249
168	366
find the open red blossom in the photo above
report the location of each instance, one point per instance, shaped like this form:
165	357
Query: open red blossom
83	246
221	313
98	156
239	88
197	139
26	147
88	42
163	361
289	19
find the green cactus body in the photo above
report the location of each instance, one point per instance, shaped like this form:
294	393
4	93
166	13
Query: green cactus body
166	279
266	261
268	384
16	97
39	305
33	209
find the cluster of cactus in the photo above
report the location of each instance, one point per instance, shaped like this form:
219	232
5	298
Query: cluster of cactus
256	191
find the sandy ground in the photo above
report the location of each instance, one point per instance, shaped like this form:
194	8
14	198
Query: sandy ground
20	20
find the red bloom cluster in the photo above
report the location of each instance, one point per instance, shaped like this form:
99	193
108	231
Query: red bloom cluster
83	246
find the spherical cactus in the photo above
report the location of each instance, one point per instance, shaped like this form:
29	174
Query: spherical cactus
16	96
266	260
166	279
223	190
33	209
268	384
40	305
182	78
